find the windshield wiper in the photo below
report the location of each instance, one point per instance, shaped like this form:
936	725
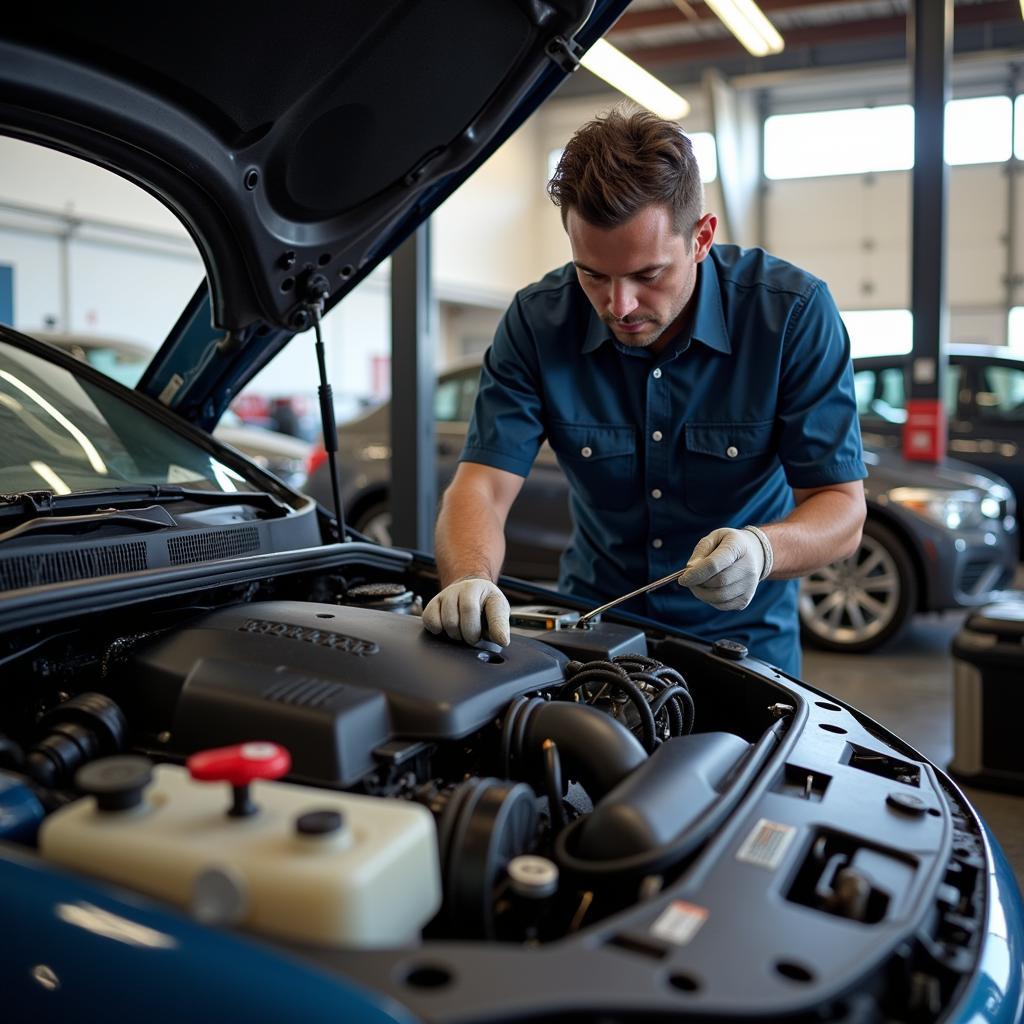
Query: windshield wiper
155	517
35	504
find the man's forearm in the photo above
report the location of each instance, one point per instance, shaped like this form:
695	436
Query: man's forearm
824	527
470	538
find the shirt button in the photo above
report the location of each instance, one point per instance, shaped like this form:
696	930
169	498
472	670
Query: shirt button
588	451
656	543
656	374
656	493
656	436
732	451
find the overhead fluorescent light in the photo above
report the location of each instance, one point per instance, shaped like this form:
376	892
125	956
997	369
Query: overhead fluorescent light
628	77
746	21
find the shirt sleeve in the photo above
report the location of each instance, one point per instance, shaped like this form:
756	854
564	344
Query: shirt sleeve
820	440
507	428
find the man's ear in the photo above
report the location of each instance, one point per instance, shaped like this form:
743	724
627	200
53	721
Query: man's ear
703	236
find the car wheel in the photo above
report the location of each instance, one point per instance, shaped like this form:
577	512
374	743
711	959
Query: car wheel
861	602
375	523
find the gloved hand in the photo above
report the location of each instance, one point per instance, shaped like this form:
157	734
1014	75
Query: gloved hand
726	567
461	608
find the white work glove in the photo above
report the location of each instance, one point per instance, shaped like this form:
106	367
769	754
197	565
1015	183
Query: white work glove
726	567
461	608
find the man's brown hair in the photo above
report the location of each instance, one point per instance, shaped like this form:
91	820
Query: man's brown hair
625	160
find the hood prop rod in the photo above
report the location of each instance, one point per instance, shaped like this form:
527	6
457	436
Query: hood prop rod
317	291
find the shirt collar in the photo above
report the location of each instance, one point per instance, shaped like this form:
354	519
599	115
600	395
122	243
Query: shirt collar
708	319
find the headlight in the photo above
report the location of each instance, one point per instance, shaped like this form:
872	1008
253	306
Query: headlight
990	507
956	510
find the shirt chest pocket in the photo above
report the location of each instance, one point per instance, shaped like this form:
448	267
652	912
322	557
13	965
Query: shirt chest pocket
725	464
599	461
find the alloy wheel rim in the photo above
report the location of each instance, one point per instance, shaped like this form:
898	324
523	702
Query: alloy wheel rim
852	600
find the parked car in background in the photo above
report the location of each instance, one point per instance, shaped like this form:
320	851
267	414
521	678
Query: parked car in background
935	537
983	393
124	361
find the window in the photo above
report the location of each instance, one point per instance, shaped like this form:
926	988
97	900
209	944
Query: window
881	395
979	131
446	400
865	139
889	401
879	332
839	142
1015	329
454	397
1018	128
706	152
1002	393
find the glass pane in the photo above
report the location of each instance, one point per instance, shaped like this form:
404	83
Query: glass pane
706	152
864	389
1015	329
1002	393
839	142
879	332
889	401
1018	128
469	387
950	387
978	131
63	433
446	400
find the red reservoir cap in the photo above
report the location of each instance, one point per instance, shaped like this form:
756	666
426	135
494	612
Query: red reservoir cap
240	764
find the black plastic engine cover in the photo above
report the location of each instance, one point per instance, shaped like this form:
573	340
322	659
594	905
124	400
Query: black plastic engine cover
329	682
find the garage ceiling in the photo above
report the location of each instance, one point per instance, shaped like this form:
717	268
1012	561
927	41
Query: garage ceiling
678	39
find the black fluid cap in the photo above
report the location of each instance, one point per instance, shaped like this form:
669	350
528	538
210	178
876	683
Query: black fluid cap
117	783
731	649
319	823
908	803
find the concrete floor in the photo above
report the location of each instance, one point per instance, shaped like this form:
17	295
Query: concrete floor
908	687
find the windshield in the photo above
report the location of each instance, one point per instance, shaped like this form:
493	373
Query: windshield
63	433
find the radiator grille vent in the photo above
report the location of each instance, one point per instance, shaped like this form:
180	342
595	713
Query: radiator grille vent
310	693
80	564
208	547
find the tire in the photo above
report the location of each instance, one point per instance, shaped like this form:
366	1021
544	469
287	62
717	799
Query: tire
375	522
858	604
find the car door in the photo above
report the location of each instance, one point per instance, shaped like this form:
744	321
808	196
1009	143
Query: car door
994	433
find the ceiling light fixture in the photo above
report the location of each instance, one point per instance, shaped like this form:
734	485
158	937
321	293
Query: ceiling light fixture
603	60
746	21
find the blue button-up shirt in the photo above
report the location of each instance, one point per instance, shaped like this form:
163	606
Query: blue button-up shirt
661	449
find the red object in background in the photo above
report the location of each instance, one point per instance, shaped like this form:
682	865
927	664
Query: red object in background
251	408
924	433
316	458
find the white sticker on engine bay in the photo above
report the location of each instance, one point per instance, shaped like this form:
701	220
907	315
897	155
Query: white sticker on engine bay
679	922
767	844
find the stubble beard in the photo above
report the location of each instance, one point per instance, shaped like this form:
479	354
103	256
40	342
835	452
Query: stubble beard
647	340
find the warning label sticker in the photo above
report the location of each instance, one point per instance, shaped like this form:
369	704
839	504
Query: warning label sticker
767	844
679	922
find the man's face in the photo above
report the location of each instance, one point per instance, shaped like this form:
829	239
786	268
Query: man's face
640	276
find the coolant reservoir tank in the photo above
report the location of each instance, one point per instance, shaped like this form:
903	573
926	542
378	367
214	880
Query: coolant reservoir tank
318	867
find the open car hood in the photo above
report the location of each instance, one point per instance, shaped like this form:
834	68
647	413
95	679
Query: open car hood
296	142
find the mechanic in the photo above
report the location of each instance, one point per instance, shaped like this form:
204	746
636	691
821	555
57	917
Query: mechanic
699	398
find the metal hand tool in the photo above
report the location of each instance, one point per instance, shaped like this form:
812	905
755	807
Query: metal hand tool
583	621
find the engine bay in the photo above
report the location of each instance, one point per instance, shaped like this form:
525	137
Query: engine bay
296	758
